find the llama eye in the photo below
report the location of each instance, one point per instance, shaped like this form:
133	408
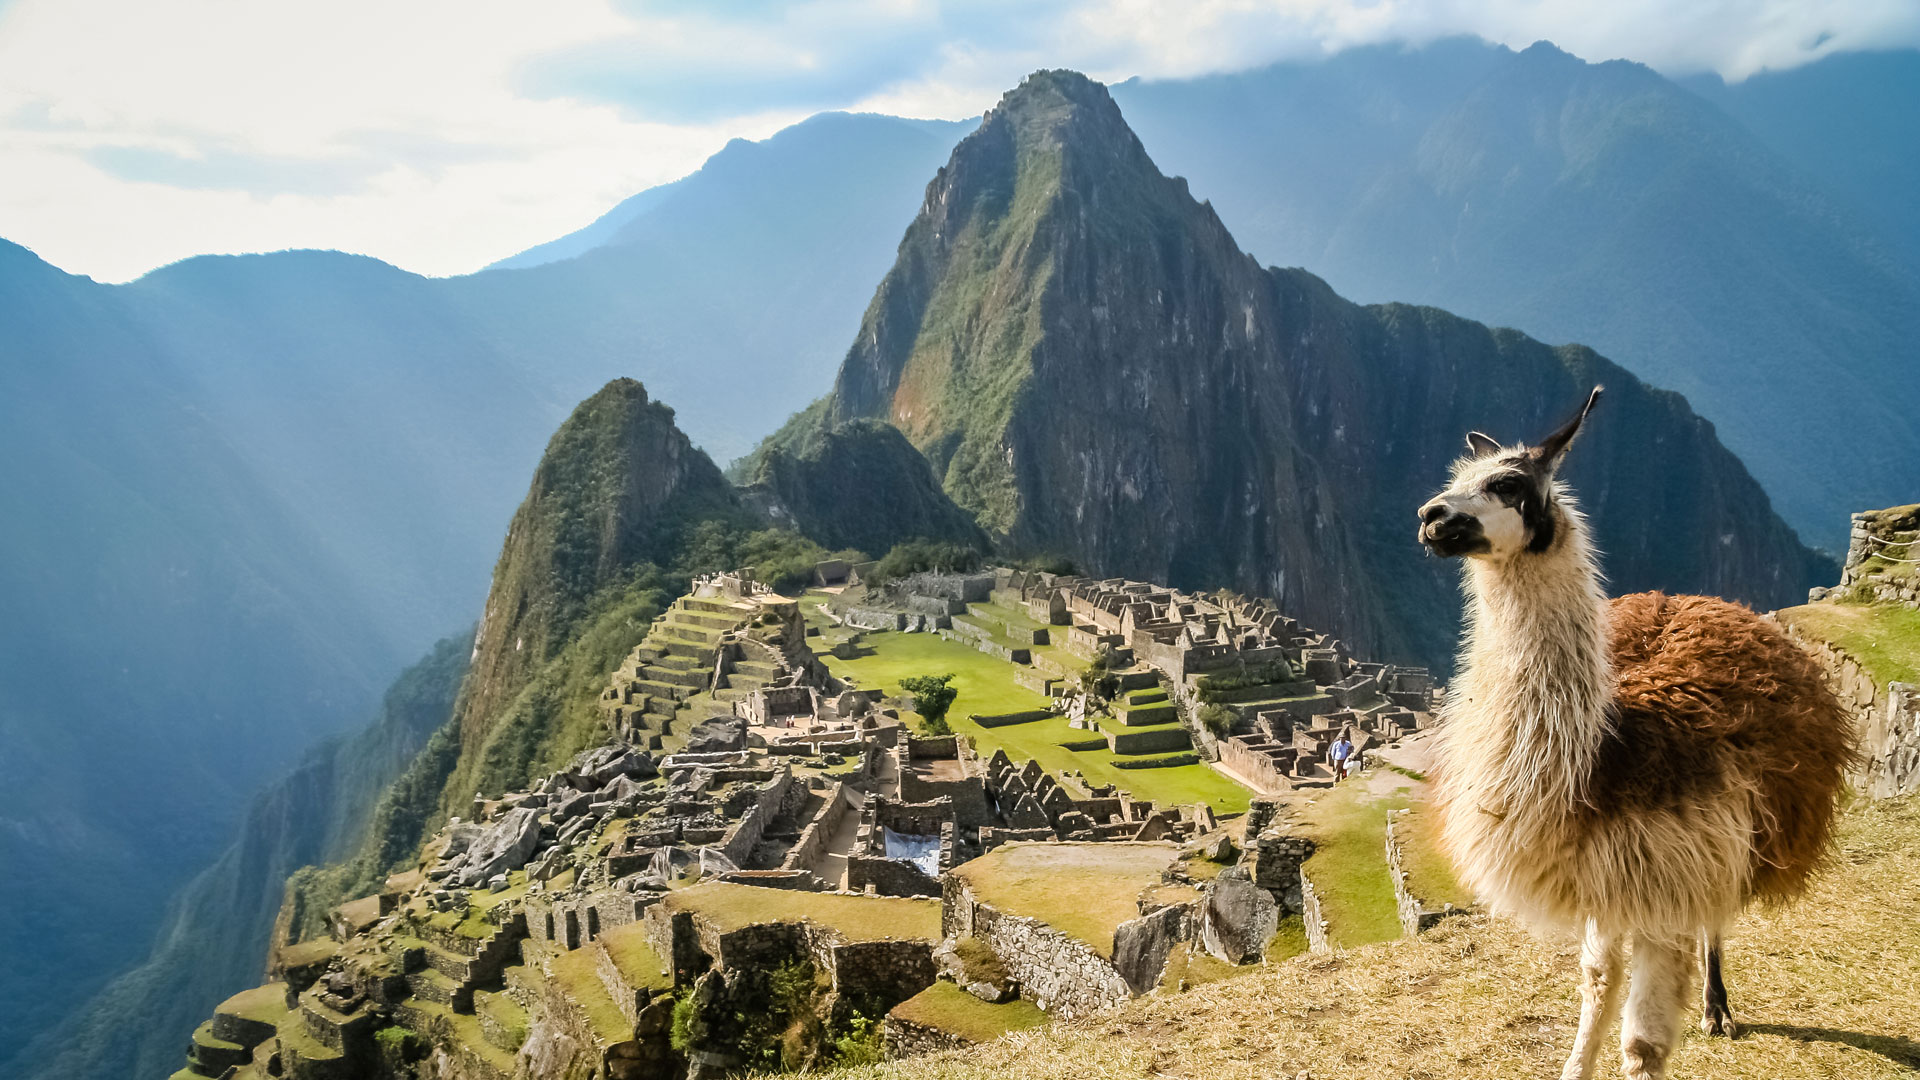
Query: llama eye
1503	486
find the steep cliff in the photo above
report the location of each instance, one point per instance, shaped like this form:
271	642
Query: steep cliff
614	491
1095	368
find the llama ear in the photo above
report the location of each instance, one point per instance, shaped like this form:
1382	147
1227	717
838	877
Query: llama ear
1553	449
1481	445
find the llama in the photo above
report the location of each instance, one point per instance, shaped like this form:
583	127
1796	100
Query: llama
1643	768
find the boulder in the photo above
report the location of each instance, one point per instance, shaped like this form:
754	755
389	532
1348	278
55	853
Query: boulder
1140	946
625	763
717	736
460	840
571	807
672	863
714	862
1238	917
506	846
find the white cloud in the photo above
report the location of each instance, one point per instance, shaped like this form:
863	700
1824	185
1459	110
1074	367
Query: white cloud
442	134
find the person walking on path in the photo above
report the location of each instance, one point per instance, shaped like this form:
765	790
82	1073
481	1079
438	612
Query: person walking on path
1337	756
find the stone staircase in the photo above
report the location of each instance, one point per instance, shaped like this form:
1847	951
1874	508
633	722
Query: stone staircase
699	645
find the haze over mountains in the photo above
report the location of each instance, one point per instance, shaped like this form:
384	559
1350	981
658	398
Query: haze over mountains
1603	204
268	483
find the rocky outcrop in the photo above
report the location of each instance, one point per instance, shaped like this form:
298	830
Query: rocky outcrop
1239	917
1883	558
860	485
1080	348
616	483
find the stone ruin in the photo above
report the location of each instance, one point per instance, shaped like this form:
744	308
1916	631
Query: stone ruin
736	759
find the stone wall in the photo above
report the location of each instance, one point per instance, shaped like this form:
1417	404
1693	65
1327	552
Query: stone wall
747	831
1316	922
889	877
1888	719
812	844
1415	915
1004	719
903	1038
1062	975
877	974
1267	772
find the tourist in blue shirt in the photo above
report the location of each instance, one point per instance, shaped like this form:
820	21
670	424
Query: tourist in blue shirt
1338	754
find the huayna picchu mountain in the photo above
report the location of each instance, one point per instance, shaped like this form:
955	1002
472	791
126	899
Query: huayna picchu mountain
1096	370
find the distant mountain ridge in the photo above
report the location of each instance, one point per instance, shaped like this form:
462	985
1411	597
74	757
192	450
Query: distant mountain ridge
1603	204
1096	370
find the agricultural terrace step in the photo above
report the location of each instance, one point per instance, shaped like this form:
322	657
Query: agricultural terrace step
1146	697
661	647
435	986
659	705
760	669
1149	715
502	1020
692	635
659	689
746	682
309	1056
331	1029
449	963
214	1056
701	619
693	678
678	663
709	604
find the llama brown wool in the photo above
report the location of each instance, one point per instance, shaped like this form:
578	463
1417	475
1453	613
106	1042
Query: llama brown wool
1638	769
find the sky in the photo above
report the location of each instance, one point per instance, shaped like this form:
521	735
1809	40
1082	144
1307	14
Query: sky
441	135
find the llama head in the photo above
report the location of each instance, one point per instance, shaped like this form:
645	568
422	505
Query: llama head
1500	500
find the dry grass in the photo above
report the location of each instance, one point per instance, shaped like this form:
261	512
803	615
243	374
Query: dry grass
266	1004
1828	988
578	976
730	906
1081	890
633	955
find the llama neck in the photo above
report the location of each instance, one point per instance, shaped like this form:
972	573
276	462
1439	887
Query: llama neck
1536	674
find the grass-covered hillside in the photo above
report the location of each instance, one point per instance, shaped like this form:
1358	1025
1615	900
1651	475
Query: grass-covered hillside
1825	988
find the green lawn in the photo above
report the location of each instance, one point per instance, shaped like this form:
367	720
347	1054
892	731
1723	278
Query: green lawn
1429	875
1884	638
948	1008
1349	863
1081	890
859	918
986	686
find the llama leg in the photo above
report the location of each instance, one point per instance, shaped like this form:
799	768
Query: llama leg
1600	964
1716	1016
1655	1002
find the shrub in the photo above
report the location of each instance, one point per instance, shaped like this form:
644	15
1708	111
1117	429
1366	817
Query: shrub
1047	564
860	1045
1219	719
932	697
1098	680
915	556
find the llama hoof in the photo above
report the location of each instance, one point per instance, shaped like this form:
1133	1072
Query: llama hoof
1719	1021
